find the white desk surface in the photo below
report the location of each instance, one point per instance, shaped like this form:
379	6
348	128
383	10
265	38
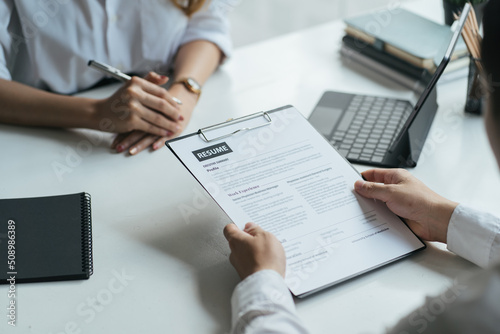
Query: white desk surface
180	279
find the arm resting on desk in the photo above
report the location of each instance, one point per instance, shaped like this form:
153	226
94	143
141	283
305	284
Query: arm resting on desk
197	60
129	108
25	105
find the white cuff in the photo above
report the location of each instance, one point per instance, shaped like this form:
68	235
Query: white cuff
6	8
4	73
472	235
261	293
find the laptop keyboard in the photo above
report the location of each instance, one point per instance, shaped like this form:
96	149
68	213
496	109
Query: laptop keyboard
369	126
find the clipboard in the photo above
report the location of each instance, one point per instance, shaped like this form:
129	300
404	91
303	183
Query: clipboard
265	116
275	169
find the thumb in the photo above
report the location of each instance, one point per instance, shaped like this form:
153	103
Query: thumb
231	231
253	229
372	190
156	78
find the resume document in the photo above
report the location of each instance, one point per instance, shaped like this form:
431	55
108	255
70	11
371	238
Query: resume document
276	170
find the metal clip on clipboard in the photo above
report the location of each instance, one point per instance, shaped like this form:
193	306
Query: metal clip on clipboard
202	132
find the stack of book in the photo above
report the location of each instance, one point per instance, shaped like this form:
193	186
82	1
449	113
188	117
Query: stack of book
403	46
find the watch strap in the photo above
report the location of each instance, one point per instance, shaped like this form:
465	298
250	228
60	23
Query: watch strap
186	83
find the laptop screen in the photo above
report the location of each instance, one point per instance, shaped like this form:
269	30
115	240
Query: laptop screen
435	77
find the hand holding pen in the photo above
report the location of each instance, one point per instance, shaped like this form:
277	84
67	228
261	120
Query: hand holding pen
138	105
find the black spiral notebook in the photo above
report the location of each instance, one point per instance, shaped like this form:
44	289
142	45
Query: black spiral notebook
46	238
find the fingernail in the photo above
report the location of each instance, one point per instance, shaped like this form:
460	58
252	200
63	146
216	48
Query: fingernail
163	76
248	226
359	184
181	118
133	151
178	127
120	149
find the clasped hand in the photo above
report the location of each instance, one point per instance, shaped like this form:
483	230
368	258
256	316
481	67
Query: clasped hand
140	106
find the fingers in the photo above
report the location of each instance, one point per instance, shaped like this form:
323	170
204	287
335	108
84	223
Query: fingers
231	231
156	78
118	138
163	103
126	140
248	226
387	176
159	143
253	229
155	123
136	141
157	98
373	190
142	105
253	250
142	144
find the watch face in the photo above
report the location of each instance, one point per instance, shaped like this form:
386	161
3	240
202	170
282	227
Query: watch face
193	84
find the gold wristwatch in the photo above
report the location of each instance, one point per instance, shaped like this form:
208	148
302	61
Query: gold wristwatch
191	85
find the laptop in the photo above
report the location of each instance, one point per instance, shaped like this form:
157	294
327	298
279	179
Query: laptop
382	131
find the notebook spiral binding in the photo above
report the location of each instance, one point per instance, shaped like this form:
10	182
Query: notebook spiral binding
87	260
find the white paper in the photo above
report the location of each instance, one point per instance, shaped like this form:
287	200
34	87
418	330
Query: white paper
288	179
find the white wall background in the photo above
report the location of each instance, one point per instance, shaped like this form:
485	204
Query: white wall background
256	20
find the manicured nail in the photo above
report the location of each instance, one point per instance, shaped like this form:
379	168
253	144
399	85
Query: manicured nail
181	118
133	151
163	77
120	148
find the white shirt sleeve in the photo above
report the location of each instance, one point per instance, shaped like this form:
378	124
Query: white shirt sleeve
261	303
211	24
5	38
475	236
